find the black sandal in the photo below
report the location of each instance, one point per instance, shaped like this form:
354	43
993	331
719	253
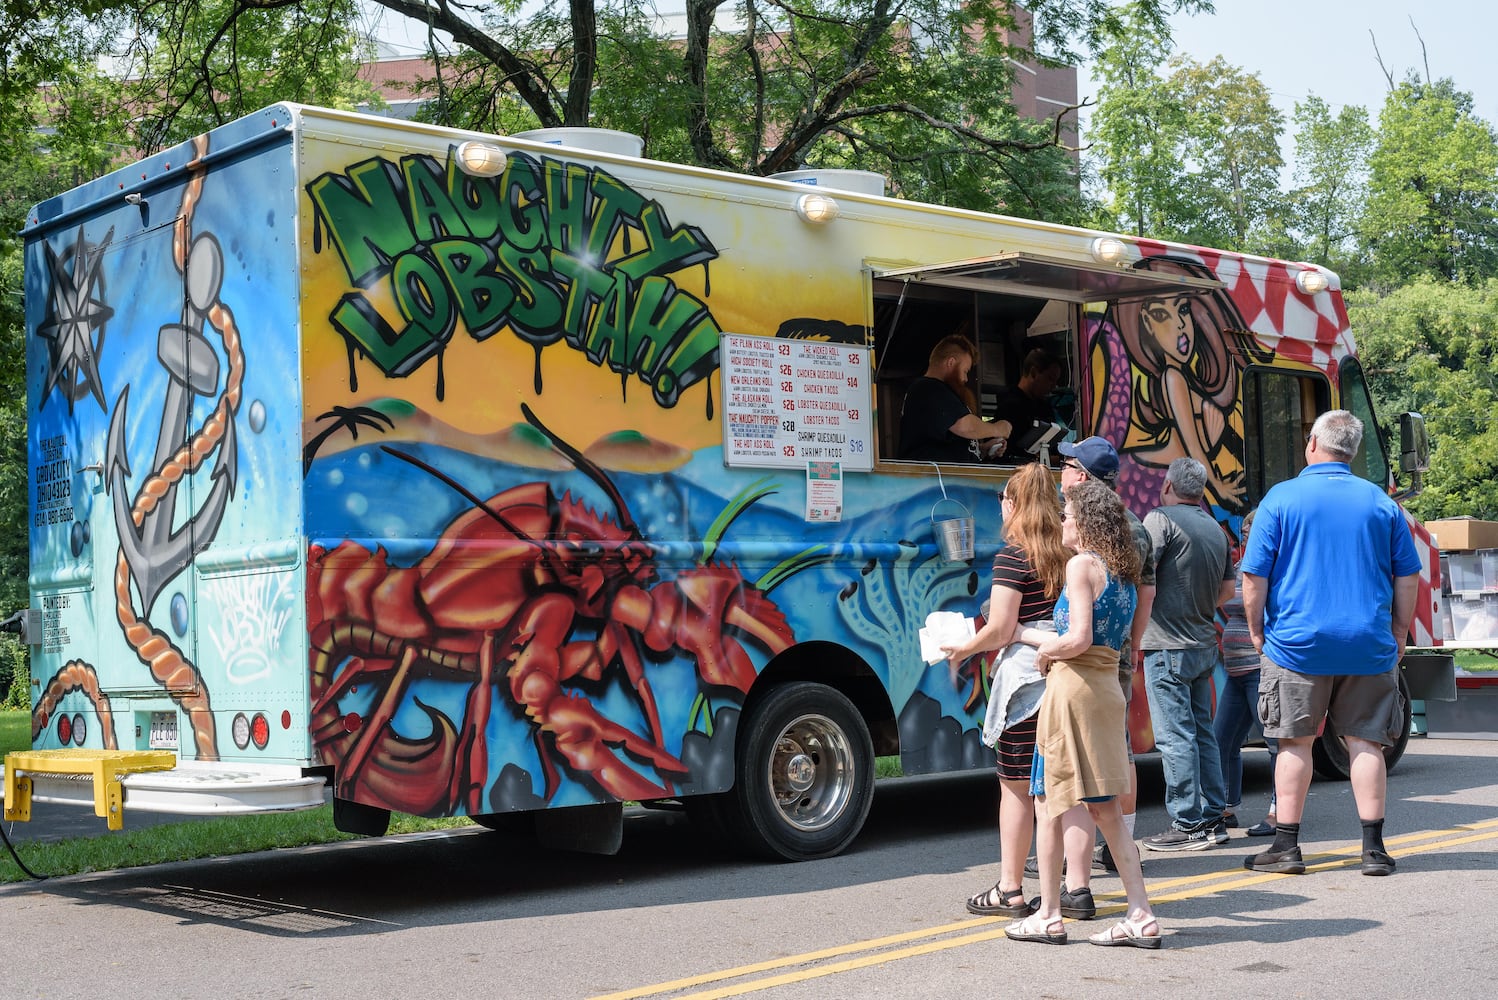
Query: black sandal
999	902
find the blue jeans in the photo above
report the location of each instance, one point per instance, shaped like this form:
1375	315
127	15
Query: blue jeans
1179	685
1237	708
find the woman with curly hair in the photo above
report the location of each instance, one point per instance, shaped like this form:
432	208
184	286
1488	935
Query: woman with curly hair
1028	572
1079	759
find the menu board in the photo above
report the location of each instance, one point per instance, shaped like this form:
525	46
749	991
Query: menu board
790	402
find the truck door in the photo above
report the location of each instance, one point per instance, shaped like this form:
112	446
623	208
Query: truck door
165	375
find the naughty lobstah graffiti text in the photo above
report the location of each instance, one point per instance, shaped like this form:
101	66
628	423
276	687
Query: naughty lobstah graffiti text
554	252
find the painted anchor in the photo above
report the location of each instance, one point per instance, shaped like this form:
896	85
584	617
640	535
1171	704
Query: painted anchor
155	552
152	554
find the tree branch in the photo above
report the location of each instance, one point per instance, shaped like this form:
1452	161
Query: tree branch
518	72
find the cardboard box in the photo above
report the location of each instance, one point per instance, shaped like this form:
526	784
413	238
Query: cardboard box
1463	533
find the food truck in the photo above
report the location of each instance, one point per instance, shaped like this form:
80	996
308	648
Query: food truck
524	476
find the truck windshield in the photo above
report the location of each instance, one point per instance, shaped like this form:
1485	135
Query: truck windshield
1371	461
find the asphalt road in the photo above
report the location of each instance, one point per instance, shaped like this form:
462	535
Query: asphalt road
472	913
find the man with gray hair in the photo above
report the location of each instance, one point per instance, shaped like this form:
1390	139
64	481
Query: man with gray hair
1193	575
1329	587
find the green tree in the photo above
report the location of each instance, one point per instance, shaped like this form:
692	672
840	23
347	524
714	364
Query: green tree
1432	346
897	86
1328	187
1137	132
1231	149
1433	187
206	62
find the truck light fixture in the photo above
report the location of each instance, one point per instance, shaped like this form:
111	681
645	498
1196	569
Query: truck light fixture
1109	250
80	729
1310	282
241	730
259	731
817	209
481	159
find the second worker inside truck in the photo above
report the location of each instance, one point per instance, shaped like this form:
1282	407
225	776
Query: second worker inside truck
937	422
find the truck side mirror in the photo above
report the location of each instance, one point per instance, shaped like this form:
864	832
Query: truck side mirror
1414	446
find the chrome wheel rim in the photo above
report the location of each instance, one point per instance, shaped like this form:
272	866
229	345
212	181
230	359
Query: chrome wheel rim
811	772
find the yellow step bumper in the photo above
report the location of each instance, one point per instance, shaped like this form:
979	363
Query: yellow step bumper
106	768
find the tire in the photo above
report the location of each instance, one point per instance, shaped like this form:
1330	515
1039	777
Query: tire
1329	754
803	775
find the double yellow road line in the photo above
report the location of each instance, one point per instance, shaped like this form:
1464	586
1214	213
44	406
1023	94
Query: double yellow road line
877	951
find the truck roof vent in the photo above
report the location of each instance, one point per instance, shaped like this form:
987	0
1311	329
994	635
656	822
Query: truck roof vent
599	140
857	181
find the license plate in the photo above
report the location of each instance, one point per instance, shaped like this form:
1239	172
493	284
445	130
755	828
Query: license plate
163	734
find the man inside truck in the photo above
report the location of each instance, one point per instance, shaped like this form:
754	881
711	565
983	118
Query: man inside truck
1027	404
937	422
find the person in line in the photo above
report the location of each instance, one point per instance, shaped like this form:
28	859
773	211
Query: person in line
1193	576
1079	760
1029	401
1329	587
1238	701
937	419
1094	458
1028	572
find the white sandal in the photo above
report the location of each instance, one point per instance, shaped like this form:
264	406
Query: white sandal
1133	934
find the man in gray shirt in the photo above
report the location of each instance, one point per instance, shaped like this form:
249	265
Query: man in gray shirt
1193	575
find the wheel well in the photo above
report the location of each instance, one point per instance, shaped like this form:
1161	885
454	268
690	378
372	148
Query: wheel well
840	668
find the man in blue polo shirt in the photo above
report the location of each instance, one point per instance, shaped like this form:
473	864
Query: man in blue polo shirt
1329	584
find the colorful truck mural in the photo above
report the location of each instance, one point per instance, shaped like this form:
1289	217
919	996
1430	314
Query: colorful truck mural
571	484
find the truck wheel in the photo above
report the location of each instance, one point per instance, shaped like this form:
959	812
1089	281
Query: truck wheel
1329	753
804	775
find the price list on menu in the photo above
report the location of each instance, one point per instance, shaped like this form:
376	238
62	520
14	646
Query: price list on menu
790	402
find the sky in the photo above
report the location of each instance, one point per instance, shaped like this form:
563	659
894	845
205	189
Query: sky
1299	47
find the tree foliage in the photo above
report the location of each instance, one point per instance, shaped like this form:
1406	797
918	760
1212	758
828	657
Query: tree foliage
203	63
1433	187
1137	132
1432	346
1328	190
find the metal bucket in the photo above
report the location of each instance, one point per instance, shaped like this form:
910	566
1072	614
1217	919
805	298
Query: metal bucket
954	535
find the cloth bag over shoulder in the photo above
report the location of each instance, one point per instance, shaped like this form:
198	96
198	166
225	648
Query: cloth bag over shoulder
1017	688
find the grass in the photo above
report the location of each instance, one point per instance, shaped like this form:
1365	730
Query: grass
15	731
1477	663
196	839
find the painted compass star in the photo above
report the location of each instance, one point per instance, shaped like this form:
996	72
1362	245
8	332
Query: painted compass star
73	316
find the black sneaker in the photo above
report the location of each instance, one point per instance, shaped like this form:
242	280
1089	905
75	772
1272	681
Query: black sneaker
1287	862
1103	863
1179	840
1078	905
1220	833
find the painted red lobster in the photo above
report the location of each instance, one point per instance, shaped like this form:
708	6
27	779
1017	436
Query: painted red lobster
500	596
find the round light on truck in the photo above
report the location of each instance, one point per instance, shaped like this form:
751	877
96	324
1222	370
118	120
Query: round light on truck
259	731
241	731
80	729
64	730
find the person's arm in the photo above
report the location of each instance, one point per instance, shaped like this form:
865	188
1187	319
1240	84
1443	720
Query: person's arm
1225	591
1406	589
1255	594
1003	615
974	429
1082	586
1142	608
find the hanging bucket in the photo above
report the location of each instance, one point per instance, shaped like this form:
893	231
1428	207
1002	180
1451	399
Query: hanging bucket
954	530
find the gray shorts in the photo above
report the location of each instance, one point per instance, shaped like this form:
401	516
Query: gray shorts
1364	706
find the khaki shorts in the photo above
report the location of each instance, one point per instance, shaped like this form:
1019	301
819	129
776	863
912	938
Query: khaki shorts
1365	706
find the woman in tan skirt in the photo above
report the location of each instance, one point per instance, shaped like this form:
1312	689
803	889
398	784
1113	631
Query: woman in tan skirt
1080	762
